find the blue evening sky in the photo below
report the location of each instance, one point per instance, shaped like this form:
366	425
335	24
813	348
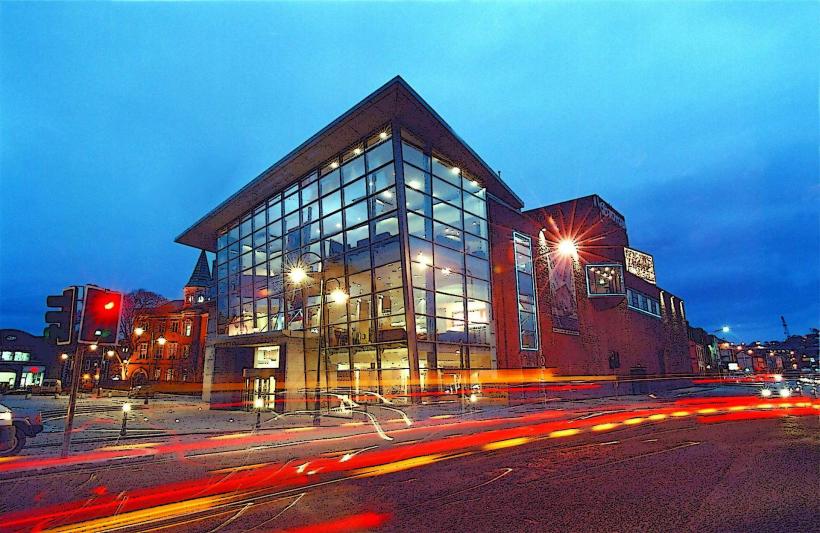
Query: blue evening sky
123	123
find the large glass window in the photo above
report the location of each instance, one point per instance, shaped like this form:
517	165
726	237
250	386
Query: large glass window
525	286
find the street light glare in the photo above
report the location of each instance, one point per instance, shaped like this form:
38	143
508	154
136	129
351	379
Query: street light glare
339	296
725	329
139	331
161	341
126	407
258	403
567	247
297	275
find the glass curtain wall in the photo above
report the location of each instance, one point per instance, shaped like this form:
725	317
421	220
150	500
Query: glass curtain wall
340	223
449	252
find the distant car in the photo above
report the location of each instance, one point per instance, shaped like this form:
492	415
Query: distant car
49	386
22	426
142	391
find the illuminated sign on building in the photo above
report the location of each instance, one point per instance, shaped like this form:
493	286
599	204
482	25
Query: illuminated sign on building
640	264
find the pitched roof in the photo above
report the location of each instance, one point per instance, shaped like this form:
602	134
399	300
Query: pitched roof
201	276
395	100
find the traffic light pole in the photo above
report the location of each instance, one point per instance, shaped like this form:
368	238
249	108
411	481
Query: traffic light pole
72	400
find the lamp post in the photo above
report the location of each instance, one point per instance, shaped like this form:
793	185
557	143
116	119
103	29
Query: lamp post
298	275
126	408
258	404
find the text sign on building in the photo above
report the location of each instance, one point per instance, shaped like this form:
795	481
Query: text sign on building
640	264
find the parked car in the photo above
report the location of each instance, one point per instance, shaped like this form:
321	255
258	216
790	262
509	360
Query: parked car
49	386
23	426
142	391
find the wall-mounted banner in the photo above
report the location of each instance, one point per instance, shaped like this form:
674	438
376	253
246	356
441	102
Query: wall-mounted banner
640	264
562	289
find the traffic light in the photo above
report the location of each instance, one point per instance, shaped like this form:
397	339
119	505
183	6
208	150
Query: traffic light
61	322
101	316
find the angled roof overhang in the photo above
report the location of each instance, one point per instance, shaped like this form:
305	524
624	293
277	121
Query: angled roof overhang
394	101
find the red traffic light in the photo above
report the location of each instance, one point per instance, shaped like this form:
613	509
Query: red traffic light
101	316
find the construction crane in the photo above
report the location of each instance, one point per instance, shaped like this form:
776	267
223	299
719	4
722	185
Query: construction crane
785	327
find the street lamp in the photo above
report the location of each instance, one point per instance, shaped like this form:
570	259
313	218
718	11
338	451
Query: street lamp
258	404
298	275
567	248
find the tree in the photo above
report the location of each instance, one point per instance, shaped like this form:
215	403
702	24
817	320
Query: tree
134	304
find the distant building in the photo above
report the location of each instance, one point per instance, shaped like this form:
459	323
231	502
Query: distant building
25	359
170	344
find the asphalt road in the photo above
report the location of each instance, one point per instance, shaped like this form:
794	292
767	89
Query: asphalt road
531	472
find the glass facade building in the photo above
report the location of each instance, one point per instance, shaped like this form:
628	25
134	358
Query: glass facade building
419	271
343	223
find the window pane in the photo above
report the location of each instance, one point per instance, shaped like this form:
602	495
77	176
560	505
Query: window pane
352	170
414	155
448	236
421	251
358	261
418	226
417	201
448	214
475	225
478	288
424	301
359	236
476	246
332	224
310	192
475	205
381	179
449	282
425	327
330	182
385	228
310	213
355	191
355	214
422	275
478	267
449	306
416	179
361	332
292	203
359	284
480	357
383	202
446	171
379	155
331	203
450	330
390	302
386	252
448	259
388	276
291	222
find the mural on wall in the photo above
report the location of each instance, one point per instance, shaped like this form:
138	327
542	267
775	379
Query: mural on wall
562	288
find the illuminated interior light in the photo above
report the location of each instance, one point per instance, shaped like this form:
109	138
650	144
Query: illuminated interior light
416	184
357	151
474	183
455	170
383	135
387	194
334	164
445	271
